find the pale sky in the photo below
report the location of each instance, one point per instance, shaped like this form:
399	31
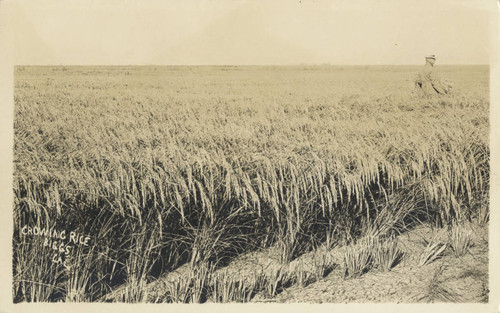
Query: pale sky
248	32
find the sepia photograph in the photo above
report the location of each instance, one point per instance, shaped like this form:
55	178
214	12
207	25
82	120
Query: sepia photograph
249	152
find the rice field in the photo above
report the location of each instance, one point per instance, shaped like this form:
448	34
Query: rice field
122	174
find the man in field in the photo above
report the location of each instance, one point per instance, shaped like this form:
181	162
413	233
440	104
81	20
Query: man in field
428	81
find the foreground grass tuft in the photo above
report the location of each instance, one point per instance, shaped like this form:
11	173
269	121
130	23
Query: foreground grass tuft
386	253
358	257
460	240
433	251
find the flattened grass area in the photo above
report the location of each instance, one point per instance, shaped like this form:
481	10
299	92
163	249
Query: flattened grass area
164	166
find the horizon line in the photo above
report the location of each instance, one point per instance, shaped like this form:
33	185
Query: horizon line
256	65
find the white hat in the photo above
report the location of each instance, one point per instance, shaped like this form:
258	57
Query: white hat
430	56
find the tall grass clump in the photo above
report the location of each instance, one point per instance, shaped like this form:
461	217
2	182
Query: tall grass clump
386	253
276	280
191	288
460	240
226	288
36	278
433	250
358	257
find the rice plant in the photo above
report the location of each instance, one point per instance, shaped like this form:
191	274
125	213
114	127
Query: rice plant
230	289
178	290
386	253
358	257
190	288
302	276
276	279
433	251
36	278
323	264
78	285
460	240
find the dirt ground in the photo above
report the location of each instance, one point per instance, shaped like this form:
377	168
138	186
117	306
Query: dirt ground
461	279
448	279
